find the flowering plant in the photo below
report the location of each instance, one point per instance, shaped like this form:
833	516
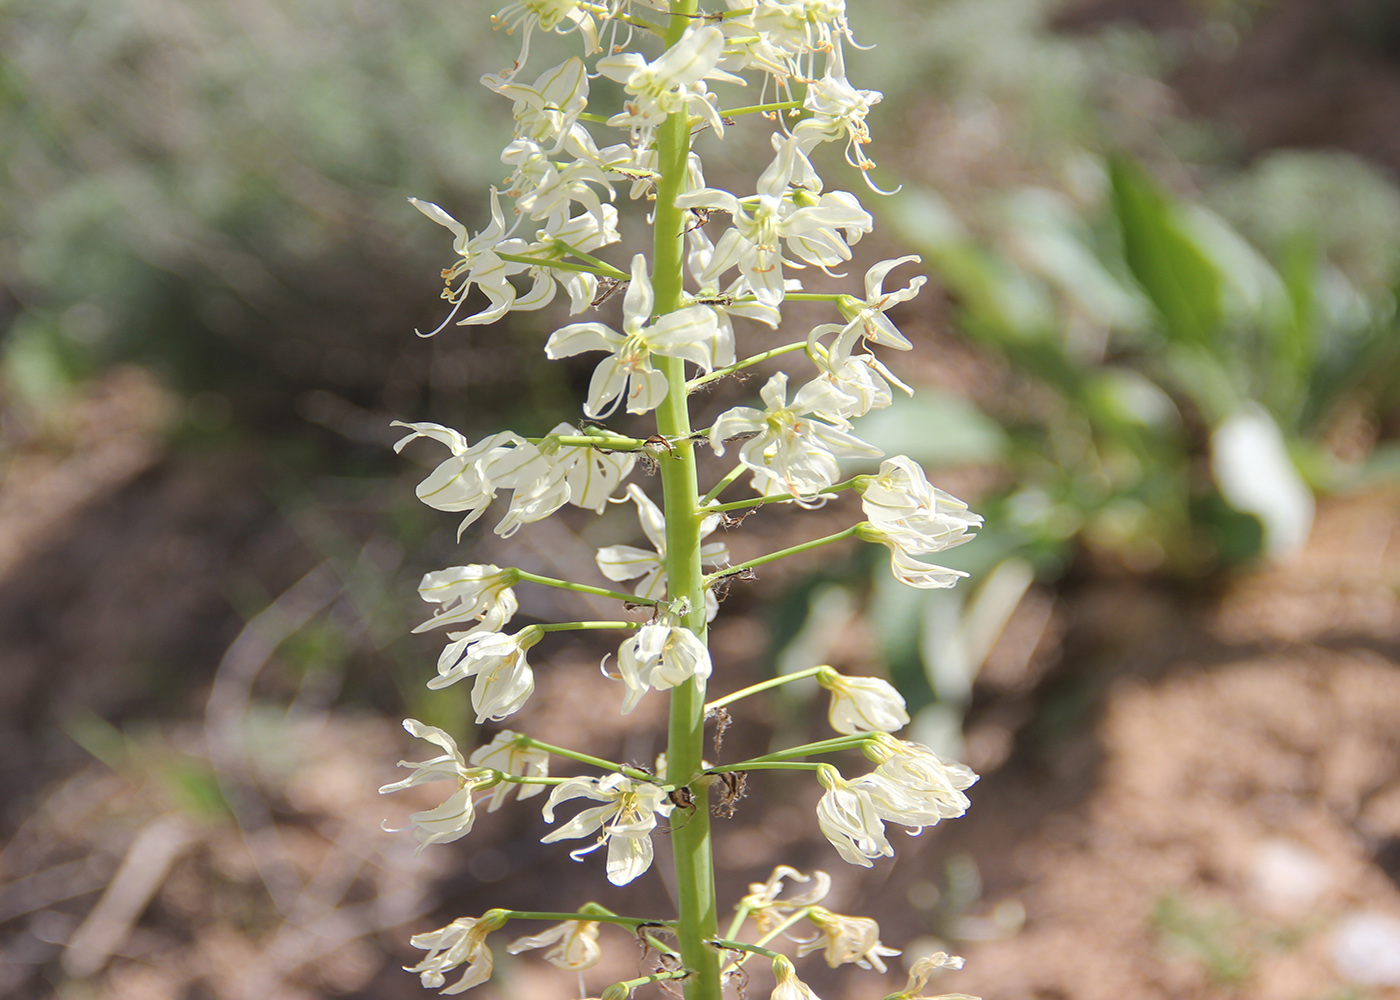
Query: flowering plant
715	257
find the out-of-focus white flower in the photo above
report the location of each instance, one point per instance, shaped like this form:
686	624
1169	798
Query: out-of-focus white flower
481	593
546	110
504	681
575	945
766	903
905	545
924	969
863	704
559	16
661	657
454	818
846	939
627	562
627	372
505	753
461	942
912	785
796	445
788	986
671	81
848	818
626	820
469	478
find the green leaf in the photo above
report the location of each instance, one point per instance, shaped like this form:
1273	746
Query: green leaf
1176	275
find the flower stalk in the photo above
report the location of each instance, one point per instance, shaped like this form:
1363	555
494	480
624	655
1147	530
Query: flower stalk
715	258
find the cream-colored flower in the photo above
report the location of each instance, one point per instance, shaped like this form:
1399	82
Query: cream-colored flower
923	970
912	785
863	704
848	818
625	821
789	987
627	562
479	593
505	753
504	680
454	818
794	447
661	657
766	903
575	945
461	942
846	939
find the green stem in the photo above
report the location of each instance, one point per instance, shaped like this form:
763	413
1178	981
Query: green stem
605	442
740	946
759	108
758	501
768	765
840	536
583	758
583	588
772	682
748	950
721	486
719	373
694	863
808	750
585	626
601	915
562	265
612	272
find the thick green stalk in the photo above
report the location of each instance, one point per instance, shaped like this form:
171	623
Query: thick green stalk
690	837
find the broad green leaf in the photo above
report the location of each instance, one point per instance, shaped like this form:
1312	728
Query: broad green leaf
1175	274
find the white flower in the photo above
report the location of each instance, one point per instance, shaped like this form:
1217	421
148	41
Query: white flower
506	754
838	109
559	16
788	986
575	945
924	969
468	480
767	908
848	818
810	224
627	562
479	264
454	818
592	474
868	316
905	545
504	681
462	941
862	379
546	110
480	593
625	821
863	704
547	190
671	81
688	333
589	231
846	939
912	785
901	496
797	444
660	657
